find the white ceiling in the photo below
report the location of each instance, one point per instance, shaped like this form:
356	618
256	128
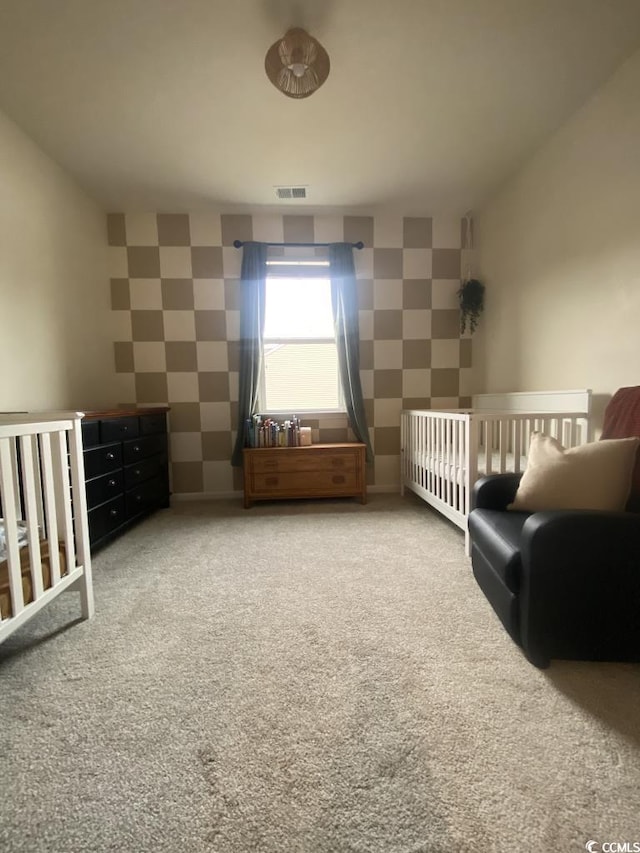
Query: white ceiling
430	104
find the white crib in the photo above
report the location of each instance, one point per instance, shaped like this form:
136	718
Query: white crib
443	453
44	537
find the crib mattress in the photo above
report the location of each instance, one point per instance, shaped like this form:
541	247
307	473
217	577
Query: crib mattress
6	609
442	467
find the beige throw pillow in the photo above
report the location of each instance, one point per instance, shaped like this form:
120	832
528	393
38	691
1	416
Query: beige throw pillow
591	476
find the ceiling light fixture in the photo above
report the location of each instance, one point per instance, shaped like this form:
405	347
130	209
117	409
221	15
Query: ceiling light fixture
297	64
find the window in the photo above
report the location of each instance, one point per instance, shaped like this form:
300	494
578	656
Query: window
300	364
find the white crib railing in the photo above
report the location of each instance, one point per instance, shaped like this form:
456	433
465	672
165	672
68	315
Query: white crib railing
42	488
444	453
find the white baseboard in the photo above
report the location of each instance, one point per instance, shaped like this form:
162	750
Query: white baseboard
212	496
204	496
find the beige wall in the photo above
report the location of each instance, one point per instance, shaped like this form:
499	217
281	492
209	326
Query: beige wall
56	346
559	252
175	301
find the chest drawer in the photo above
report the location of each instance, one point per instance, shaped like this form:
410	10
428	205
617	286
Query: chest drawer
90	433
308	482
144	469
142	447
144	497
102	460
117	429
153	423
102	489
302	460
105	518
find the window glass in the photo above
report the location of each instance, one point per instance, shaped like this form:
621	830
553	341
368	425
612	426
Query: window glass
300	365
298	308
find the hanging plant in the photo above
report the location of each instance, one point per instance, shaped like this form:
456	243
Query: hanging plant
471	299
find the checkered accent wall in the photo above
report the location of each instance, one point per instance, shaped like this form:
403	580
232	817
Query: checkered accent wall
174	299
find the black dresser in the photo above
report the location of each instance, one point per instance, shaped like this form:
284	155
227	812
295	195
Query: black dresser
126	469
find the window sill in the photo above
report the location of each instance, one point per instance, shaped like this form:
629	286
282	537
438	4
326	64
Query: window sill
303	413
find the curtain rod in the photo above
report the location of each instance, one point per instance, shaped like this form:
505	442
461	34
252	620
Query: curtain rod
240	243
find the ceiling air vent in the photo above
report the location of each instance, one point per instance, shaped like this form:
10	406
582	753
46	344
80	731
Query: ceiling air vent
291	192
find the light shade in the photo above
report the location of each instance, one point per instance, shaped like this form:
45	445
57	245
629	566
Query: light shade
297	64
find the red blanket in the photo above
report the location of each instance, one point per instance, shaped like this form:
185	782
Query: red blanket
622	420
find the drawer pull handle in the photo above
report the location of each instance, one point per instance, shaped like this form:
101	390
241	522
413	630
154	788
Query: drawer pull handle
111	456
138	498
137	472
113	513
136	449
112	483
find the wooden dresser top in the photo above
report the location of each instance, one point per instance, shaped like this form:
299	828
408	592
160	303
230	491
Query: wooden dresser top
123	413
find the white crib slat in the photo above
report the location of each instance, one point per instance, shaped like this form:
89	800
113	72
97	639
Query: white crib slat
429	445
434	457
414	461
527	435
28	481
454	462
425	451
503	443
517	446
405	448
81	519
414	449
488	455
421	466
470	445
574	432
13	452
446	424
8	492
439	456
50	506
419	460
64	495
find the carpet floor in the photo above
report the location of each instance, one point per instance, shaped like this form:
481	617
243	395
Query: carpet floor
313	677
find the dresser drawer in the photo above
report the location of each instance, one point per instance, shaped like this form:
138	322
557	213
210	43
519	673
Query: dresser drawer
102	489
144	497
117	429
90	433
141	448
102	460
150	424
144	469
105	518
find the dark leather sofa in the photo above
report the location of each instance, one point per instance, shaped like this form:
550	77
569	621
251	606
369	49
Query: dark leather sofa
565	584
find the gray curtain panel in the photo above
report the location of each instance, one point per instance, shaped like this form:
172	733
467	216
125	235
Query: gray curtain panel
252	304
344	301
